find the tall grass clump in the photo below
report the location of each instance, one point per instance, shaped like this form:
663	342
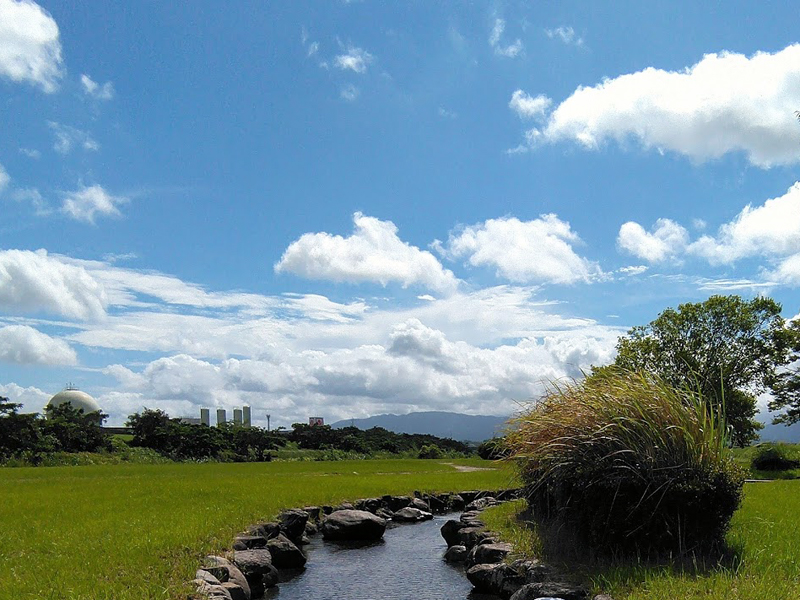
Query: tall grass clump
623	462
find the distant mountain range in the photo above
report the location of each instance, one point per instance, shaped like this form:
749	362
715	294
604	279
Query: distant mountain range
473	428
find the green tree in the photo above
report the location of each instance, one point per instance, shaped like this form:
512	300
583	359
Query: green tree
787	388
21	432
75	431
728	349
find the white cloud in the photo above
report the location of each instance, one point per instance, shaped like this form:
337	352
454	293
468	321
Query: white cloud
349	93
633	270
772	229
23	345
88	202
31	153
34	198
68	137
665	241
528	107
373	253
30	49
32	282
95	90
787	271
725	103
509	50
565	34
4	179
32	398
524	251
355	59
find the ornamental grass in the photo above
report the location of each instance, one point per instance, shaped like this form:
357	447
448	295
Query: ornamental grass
627	463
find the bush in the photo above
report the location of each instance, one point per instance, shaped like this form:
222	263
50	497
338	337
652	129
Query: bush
493	449
774	457
430	451
627	464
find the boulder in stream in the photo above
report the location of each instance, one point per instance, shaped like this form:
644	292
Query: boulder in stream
234	574
550	589
285	554
353	525
411	515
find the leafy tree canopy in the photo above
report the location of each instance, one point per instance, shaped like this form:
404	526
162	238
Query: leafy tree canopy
787	388
728	349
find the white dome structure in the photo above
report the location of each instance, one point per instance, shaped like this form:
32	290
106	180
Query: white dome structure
78	400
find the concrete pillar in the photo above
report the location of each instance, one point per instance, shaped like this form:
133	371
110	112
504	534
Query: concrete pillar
221	418
246	420
205	416
237	416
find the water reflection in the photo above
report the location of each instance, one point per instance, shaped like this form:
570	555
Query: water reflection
406	564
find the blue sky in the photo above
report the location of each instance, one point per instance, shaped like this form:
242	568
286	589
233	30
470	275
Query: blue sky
353	208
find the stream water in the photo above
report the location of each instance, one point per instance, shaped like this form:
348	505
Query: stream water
406	565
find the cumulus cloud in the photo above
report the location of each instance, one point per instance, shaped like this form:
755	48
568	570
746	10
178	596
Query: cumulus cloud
524	251
87	203
32	398
95	90
509	50
30	48
23	345
355	59
67	138
528	107
373	253
33	282
770	229
349	93
725	103
665	241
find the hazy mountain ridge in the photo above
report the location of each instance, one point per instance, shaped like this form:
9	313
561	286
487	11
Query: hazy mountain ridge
457	426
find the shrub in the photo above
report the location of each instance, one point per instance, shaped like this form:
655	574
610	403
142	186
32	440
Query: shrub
430	451
774	457
627	463
493	449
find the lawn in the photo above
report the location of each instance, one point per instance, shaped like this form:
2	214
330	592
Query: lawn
763	538
138	531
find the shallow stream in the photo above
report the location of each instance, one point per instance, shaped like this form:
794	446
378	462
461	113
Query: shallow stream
406	565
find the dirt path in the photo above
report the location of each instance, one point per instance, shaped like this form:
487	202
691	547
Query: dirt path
465	469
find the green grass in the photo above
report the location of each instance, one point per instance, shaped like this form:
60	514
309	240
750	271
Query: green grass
764	562
139	531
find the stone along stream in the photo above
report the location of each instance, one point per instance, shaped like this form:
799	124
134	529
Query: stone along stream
406	564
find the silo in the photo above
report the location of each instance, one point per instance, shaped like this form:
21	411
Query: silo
221	416
237	416
246	421
205	416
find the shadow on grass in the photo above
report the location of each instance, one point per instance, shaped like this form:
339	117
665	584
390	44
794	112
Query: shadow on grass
568	554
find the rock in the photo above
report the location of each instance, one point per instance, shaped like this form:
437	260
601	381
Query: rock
471	536
470	515
411	515
563	591
285	555
481	503
455	554
311	528
208	577
266	530
314	513
395	503
488	554
247	542
450	531
602	597
353	525
384	513
420	504
456	502
234	591
208	590
256	565
344	506
370	504
486	578
293	522
234	574
469	496
326	509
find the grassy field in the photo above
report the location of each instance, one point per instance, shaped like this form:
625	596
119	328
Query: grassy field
139	531
763	538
